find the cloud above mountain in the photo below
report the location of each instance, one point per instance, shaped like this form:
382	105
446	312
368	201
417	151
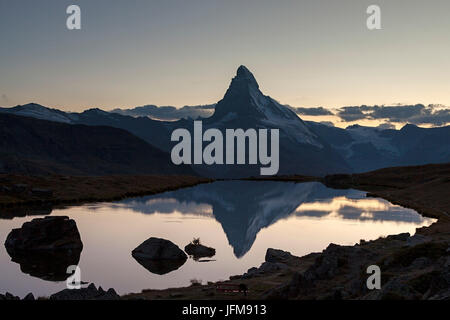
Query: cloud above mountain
435	115
320	111
169	113
419	114
386	125
349	114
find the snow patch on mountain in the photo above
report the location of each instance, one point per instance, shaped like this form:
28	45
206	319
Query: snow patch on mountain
287	121
373	135
39	112
363	135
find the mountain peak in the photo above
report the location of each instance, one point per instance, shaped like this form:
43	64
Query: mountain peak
243	97
245	106
35	110
410	127
244	77
243	84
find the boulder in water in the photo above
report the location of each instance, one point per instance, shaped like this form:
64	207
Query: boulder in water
159	256
45	234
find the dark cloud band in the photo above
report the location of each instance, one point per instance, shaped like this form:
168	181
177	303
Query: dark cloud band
415	114
169	113
320	111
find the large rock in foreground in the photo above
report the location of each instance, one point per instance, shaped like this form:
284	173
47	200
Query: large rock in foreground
45	234
276	261
280	256
159	256
45	247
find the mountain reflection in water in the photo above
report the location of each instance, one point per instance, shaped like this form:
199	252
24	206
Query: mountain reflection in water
243	208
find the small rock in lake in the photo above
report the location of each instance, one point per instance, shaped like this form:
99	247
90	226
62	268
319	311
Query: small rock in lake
159	249
159	256
199	251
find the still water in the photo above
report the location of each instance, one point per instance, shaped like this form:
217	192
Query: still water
240	219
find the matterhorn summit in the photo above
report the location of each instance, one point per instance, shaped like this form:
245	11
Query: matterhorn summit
246	106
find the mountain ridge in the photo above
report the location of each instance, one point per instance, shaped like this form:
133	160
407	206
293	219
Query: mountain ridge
35	146
306	147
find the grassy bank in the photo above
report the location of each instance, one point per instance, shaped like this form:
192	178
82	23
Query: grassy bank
25	191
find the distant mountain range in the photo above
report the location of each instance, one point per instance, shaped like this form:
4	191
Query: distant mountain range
34	146
305	147
369	148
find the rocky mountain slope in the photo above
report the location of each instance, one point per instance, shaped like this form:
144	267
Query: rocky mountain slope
34	146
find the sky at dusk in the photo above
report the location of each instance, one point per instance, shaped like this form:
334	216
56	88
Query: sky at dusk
179	52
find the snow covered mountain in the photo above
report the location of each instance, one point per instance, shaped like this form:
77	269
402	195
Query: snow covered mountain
370	148
153	132
244	104
305	147
34	110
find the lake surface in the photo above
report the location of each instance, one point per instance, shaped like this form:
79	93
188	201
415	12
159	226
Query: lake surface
240	219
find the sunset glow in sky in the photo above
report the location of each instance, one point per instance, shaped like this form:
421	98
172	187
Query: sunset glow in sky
177	52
